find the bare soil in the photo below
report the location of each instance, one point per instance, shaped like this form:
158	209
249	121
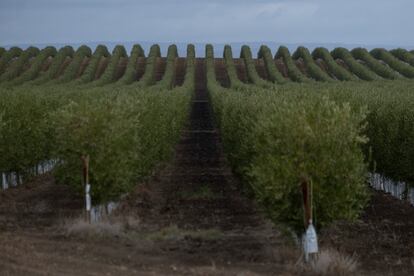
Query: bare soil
241	70
383	238
281	66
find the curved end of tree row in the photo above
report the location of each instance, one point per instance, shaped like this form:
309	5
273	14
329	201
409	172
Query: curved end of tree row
189	77
313	69
274	75
109	74
358	69
403	55
90	71
293	71
15	69
376	66
7	56
149	75
72	70
339	72
167	80
235	82
130	74
212	82
55	66
393	62
35	68
246	55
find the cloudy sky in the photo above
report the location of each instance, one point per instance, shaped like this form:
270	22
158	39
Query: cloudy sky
383	22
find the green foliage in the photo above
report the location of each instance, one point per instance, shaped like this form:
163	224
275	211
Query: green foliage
399	66
403	55
235	82
313	69
274	75
90	71
72	70
109	75
17	68
376	66
26	137
8	56
293	72
2	51
339	72
169	75
276	138
252	74
357	68
126	131
212	83
130	74
390	121
149	76
54	68
35	68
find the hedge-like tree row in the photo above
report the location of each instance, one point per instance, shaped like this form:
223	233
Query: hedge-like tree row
252	74
167	80
339	72
293	72
357	68
390	127
35	68
149	76
130	74
7	57
15	69
313	69
276	141
89	75
72	70
55	67
110	71
403	55
274	75
396	64
235	82
376	66
128	130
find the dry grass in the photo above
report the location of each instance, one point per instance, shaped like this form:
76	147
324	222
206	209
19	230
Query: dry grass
329	262
108	227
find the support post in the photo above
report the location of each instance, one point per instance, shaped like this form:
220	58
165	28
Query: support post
87	186
309	239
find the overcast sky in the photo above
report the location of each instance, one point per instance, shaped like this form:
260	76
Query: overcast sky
385	22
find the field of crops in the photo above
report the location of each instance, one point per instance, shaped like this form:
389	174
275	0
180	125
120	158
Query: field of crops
328	118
